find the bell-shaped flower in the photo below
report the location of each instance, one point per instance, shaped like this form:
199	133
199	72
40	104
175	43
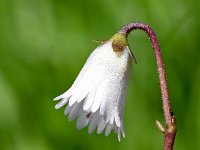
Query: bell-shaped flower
97	97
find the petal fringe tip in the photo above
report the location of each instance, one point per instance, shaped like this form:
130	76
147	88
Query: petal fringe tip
94	121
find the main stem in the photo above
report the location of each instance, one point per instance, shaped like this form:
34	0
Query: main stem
170	120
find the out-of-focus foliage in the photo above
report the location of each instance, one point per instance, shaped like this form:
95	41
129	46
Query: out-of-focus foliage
43	45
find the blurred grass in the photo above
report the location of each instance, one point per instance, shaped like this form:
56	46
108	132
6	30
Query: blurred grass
43	45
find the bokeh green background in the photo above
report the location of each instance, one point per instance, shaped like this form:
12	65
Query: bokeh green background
44	44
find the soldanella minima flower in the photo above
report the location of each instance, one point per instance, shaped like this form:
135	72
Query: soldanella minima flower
97	96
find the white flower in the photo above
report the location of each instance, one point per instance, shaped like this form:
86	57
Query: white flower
98	95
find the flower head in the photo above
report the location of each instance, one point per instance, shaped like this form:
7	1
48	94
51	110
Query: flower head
98	95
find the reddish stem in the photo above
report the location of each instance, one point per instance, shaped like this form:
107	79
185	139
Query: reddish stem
170	120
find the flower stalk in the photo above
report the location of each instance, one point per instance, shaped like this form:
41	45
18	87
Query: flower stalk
169	130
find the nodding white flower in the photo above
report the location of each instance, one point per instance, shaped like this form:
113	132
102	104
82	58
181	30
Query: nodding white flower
98	95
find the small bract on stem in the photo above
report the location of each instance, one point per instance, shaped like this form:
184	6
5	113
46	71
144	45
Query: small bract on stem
170	120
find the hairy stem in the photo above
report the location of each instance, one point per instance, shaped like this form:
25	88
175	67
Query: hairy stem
170	120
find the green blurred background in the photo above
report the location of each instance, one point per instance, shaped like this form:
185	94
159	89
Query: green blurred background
44	44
